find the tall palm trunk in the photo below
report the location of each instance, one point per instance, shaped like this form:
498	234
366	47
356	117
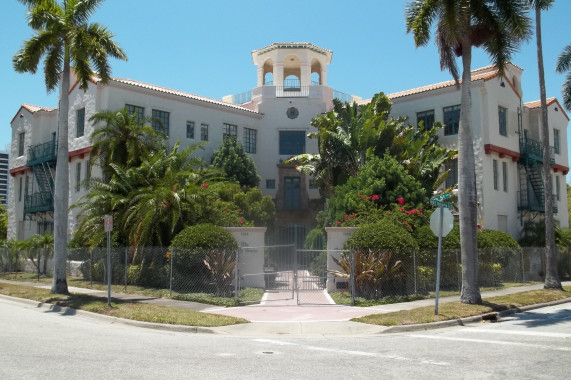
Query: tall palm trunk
61	193
551	276
467	194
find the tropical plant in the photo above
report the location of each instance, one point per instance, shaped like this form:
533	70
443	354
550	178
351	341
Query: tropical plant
221	265
3	222
237	165
377	186
499	27
125	139
45	244
68	42
564	66
373	271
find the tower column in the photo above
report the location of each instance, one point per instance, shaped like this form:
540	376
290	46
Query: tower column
305	73
278	74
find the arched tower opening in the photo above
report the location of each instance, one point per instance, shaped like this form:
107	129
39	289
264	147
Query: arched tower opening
268	72
316	72
292	73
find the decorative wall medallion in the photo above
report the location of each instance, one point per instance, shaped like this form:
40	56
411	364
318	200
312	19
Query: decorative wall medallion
292	112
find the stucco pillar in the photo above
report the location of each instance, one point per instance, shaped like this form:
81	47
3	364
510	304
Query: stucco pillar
305	74
278	74
336	238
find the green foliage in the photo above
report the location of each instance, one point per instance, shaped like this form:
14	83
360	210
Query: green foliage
3	222
221	265
237	165
205	237
315	239
382	235
382	179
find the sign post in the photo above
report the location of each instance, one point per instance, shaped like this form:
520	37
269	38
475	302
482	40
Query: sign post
441	223
108	227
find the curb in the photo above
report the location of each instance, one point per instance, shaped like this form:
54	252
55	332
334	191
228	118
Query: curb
468	320
150	325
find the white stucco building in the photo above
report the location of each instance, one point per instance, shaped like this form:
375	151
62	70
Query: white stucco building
272	121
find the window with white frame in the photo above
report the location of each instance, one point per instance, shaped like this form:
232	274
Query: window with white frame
190	129
556	142
78	176
270	183
557	189
452	168
250	136
292	142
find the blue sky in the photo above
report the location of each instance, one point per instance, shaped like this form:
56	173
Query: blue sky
203	47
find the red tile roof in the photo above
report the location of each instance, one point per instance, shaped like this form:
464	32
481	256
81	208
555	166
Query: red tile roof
484	73
537	104
33	108
187	95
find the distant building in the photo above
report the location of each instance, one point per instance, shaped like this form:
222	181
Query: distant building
4	176
272	122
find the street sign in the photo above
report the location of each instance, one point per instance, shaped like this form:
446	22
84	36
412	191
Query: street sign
108	223
447	221
436	203
440	197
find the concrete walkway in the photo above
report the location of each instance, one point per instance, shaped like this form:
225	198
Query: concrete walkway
291	319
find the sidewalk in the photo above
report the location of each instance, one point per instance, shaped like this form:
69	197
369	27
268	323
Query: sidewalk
293	320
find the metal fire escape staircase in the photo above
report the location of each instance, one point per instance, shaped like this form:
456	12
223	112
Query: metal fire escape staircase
531	197
42	160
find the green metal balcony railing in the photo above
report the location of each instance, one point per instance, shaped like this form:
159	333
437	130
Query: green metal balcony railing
533	149
42	153
38	202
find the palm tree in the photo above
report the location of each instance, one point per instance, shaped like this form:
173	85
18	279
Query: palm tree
499	26
551	277
564	65
124	140
66	39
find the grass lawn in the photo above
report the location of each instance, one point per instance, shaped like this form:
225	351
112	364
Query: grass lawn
127	310
455	310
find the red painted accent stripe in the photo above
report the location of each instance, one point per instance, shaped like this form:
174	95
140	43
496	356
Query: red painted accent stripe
489	148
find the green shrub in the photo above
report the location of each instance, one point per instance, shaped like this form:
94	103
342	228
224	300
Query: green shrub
382	235
315	239
190	248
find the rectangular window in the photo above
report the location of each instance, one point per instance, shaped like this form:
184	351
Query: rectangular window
20	189
139	111
80	122
451	120
190	129
203	132
292	193
426	118
87	173
503	223
250	136
161	121
292	142
230	130
78	176
495	163
556	142
21	139
270	184
503	120
557	189
505	175
452	178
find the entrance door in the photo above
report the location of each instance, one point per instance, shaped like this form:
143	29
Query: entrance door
292	193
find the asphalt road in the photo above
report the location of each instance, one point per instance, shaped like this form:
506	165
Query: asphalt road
40	344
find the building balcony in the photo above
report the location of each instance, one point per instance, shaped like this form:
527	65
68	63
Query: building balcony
533	150
41	153
289	91
530	201
38	202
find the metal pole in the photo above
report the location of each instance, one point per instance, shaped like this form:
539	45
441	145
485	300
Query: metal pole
438	260
91	268
414	268
108	268
236	274
171	259
126	266
352	278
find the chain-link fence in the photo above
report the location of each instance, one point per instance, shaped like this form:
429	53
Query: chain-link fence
285	273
